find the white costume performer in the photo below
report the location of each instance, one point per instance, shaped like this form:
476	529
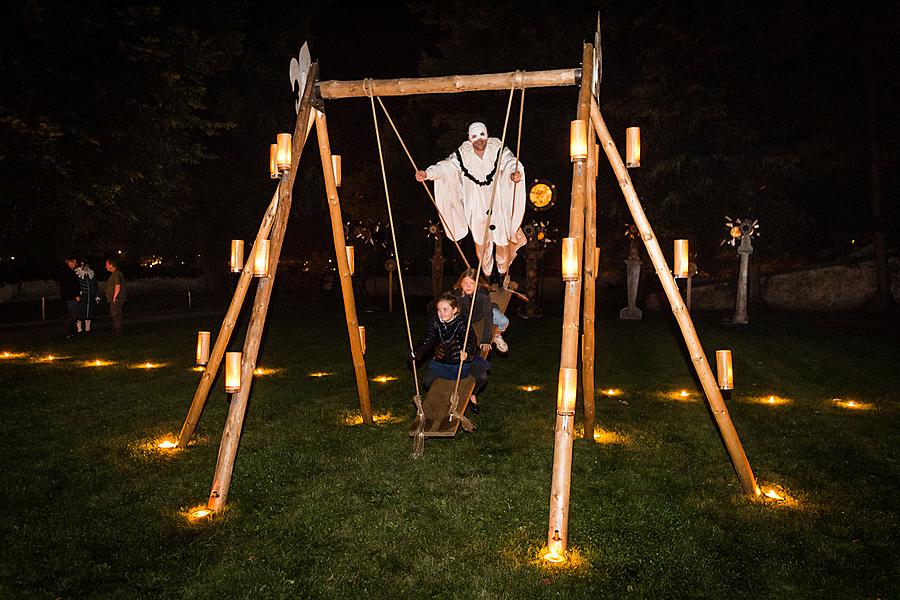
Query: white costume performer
463	183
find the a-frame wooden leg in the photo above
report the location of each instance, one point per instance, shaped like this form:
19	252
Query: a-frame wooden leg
588	348
701	365
340	249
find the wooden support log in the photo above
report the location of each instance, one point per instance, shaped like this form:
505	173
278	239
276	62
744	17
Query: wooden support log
557	534
340	249
701	365
590	279
449	84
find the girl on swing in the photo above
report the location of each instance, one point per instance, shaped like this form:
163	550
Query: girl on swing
445	334
487	313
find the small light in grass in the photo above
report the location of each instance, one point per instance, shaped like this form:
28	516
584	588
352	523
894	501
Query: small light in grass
201	513
148	365
604	436
262	371
384	378
529	388
683	393
98	363
320	374
555	553
774	495
852	404
198	369
611	392
13	355
167	445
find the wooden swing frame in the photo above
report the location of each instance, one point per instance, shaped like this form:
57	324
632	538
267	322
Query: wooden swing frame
582	226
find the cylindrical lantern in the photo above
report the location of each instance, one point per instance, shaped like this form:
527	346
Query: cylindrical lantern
633	147
571	259
237	256
567	391
680	264
362	337
283	159
232	372
336	166
202	348
351	259
723	367
578	149
274	173
261	259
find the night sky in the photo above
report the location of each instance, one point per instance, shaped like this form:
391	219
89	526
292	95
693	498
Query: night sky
145	126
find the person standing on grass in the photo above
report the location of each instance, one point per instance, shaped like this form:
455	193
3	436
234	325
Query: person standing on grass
70	294
115	294
89	299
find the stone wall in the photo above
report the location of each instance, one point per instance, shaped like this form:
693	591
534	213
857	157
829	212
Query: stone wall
152	286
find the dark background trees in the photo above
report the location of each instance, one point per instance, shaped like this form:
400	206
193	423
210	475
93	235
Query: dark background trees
145	127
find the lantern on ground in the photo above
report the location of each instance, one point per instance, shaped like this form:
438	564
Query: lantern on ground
633	147
261	259
680	264
232	372
351	259
237	256
202	347
571	259
578	145
362	338
283	158
274	173
724	370
336	167
567	391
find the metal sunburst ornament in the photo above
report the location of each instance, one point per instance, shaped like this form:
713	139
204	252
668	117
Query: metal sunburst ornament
539	232
433	231
738	228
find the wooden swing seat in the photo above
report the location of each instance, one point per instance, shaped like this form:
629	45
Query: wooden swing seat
436	407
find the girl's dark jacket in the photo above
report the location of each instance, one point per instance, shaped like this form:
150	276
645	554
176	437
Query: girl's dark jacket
447	340
483	310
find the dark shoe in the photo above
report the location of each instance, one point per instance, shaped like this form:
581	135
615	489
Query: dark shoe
474	408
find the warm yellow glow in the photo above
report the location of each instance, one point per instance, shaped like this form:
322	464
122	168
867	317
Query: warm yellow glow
383	418
633	147
201	513
49	358
384	378
13	355
529	388
724	369
97	363
679	395
555	552
771	400
336	167
852	404
351	259
232	372
567	391
735	231
605	436
167	445
237	256
578	144
683	393
283	158
571	259
274	173
320	374
203	338
148	365
771	493
680	264
262	371
261	259
198	369
362	338
611	392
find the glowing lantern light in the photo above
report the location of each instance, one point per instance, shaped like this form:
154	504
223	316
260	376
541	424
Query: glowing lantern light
336	167
201	513
166	445
555	553
384	378
232	372
529	388
362	338
203	338
724	369
274	173
633	147
774	495
571	259
261	259
237	256
283	154
612	392
567	391
680	266
351	259
578	145
683	393
318	374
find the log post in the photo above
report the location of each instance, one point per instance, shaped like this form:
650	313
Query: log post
557	534
590	279
340	249
701	365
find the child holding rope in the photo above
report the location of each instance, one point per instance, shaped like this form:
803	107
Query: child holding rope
464	289
445	334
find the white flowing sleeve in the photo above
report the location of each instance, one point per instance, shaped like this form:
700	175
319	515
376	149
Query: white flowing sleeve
511	197
448	197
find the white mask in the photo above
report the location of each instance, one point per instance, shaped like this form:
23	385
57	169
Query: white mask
477	131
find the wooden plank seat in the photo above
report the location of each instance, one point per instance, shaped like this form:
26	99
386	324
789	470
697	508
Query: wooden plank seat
436	407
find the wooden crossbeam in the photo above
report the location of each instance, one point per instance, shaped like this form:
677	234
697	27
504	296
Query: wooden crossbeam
450	84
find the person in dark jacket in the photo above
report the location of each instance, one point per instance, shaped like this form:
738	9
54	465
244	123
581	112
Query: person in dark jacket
90	297
495	322
70	294
446	334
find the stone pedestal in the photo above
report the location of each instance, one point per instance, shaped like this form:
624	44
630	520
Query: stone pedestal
740	305
633	273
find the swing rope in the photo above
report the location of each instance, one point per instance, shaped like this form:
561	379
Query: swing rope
367	87
454	399
419	438
512	212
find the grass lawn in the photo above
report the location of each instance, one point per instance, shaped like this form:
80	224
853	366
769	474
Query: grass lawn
321	506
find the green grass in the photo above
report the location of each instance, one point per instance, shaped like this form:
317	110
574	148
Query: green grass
320	508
